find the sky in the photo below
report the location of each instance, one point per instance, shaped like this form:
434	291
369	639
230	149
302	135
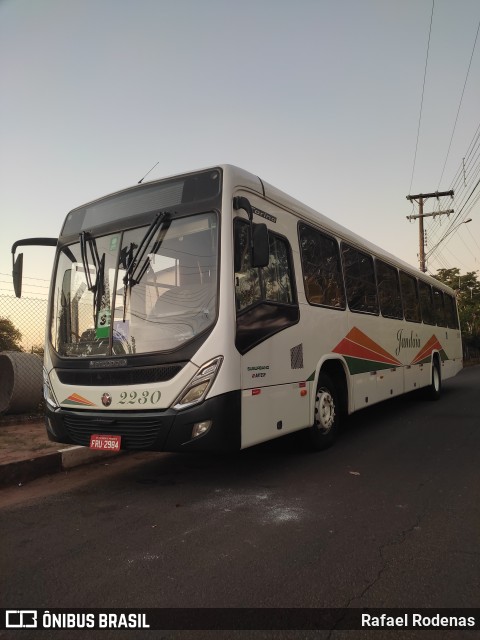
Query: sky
320	98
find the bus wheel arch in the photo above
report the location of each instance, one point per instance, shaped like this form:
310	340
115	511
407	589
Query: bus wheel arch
335	370
331	402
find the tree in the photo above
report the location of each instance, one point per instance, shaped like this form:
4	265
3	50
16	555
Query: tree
467	292
9	336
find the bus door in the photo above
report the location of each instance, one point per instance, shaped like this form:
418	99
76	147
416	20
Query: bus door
269	339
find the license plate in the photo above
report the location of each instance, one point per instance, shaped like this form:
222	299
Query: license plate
105	442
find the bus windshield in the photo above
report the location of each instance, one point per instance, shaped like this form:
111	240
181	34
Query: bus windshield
100	310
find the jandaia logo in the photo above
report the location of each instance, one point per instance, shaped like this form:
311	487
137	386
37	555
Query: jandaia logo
362	354
407	341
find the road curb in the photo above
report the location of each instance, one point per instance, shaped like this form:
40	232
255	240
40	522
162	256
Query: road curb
75	456
21	471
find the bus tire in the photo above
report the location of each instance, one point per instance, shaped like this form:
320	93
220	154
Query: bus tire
326	414
434	390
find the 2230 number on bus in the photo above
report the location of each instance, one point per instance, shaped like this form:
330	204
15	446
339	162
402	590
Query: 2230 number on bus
142	397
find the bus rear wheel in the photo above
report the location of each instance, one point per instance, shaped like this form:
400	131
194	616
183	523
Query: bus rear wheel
326	414
434	390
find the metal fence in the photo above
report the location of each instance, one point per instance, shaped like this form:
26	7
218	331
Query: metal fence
471	352
22	335
28	316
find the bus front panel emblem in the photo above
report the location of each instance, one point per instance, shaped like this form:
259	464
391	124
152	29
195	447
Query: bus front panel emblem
106	399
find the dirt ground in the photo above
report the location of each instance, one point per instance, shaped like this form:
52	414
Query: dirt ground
24	440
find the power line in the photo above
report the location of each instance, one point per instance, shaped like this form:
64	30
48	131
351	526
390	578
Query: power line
456	259
473	238
421	101
466	246
459	182
28	284
452	227
467	173
33	293
460	104
471	194
9	275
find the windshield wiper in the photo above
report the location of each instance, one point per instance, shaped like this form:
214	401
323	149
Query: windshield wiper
134	273
84	237
97	287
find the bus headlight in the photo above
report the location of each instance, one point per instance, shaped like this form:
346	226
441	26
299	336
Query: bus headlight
48	394
199	385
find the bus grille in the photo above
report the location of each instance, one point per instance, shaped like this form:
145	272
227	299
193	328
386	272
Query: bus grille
139	432
116	377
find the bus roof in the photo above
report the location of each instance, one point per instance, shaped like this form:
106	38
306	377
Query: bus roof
240	178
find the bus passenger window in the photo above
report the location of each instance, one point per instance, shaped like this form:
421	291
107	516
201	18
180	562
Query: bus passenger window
247	278
273	283
426	302
451	311
438	308
389	291
359	280
322	271
411	305
277	276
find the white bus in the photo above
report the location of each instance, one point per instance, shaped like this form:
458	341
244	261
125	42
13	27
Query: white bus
211	311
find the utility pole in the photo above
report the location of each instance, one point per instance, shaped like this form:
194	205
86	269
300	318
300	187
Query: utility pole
420	198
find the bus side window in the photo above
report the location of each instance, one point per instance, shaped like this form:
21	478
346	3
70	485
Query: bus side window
322	270
247	278
273	283
277	276
389	291
451	311
359	280
439	308
426	302
411	306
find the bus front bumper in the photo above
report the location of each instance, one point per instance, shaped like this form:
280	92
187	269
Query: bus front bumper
168	430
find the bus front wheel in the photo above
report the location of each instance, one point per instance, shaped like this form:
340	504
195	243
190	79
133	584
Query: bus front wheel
326	414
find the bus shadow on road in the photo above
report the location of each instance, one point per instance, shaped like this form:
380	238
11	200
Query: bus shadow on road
366	426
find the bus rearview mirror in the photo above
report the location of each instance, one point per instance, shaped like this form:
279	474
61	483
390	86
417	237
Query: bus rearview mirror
261	248
17	275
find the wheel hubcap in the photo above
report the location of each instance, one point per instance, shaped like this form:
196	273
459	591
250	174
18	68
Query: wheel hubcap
324	411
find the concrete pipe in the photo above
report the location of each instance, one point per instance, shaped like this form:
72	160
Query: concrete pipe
21	382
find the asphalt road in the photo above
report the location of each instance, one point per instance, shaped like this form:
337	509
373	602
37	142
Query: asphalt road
389	517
